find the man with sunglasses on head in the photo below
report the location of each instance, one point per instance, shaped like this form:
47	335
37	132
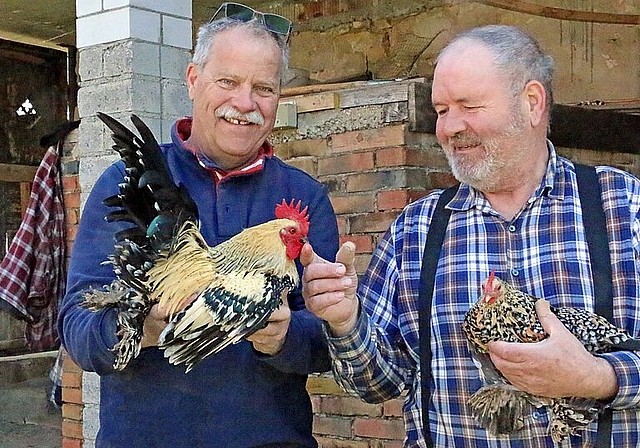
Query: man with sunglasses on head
252	394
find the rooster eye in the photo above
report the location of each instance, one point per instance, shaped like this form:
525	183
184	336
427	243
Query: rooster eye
292	231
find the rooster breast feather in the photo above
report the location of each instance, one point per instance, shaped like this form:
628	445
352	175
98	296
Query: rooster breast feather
237	285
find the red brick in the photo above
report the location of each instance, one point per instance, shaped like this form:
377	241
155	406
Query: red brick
369	138
316	402
362	262
307	164
71	395
397	199
334	426
69	244
348	163
72	411
376	180
71	216
353	203
378	428
72	379
68	365
70	183
393	408
326	442
440	180
71	443
323	385
371	222
391	444
403	156
71	200
364	243
71	232
71	429
343	225
298	148
349	406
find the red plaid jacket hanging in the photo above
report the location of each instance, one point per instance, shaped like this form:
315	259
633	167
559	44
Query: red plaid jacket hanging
33	272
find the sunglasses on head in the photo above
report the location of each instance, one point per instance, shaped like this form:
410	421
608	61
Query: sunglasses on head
273	22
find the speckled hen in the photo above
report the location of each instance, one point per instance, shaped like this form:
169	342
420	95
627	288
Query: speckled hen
503	313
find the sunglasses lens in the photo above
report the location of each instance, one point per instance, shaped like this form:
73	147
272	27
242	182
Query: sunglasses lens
277	24
239	12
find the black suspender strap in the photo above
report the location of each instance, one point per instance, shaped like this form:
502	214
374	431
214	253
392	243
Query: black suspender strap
598	243
435	238
595	227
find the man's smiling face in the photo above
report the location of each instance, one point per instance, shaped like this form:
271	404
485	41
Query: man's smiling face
235	97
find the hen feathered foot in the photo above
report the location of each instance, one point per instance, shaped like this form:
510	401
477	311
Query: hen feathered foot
132	310
569	416
130	333
500	408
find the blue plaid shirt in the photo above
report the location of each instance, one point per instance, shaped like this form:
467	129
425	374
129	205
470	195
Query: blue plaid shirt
541	251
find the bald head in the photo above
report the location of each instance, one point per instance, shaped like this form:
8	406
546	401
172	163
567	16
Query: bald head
512	51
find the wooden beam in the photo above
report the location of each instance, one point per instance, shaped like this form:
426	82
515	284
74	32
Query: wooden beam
563	13
422	117
17	173
600	130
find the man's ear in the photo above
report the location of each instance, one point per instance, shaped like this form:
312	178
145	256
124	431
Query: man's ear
191	77
536	98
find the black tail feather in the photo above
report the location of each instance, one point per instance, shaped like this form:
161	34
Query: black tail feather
147	191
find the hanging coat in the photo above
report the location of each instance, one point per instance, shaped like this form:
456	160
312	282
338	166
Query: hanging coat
33	272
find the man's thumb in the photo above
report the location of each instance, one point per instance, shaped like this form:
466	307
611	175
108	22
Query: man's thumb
308	255
546	316
347	255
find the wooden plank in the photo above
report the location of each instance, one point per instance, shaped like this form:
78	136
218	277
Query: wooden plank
379	93
422	117
17	173
25	196
319	88
629	105
314	102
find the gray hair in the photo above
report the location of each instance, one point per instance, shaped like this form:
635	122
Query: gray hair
208	32
516	54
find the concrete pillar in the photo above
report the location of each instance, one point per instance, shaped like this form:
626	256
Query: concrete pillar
132	58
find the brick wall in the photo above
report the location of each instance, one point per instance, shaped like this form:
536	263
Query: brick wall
361	141
72	407
361	147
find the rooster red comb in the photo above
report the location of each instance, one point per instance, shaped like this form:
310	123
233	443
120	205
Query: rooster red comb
293	212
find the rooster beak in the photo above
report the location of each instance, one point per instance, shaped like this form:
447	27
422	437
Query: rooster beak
304	240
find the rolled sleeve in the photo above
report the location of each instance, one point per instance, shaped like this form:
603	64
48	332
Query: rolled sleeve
627	368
